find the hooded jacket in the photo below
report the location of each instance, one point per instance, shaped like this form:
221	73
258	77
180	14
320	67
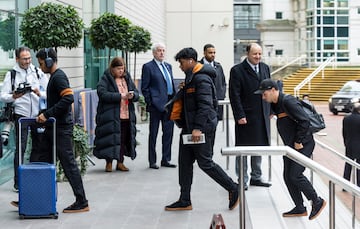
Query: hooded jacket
199	100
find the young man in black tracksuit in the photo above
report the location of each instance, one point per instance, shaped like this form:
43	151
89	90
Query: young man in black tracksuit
59	99
198	117
293	126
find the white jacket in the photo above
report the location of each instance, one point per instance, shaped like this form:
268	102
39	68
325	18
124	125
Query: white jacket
28	104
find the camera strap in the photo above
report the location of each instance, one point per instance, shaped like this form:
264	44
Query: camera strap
13	73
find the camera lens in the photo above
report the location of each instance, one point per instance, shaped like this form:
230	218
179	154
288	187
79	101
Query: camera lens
6	132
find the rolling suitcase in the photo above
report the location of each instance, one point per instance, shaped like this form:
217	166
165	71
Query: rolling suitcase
37	182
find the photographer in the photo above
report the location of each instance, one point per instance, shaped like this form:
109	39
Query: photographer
23	91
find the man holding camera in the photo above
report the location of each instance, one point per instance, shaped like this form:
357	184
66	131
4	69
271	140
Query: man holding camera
23	91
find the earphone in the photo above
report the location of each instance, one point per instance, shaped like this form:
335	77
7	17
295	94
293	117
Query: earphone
49	62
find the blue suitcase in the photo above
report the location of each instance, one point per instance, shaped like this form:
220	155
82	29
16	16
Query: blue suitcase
37	183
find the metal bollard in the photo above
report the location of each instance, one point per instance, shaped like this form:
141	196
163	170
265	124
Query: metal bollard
217	222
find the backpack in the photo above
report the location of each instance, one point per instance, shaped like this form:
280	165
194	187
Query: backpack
316	119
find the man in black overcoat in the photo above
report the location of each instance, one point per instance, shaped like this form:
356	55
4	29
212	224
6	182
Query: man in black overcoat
351	135
251	113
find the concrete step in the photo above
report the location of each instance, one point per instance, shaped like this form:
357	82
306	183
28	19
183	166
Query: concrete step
266	205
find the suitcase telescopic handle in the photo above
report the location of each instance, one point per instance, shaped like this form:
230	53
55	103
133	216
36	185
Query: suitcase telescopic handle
49	121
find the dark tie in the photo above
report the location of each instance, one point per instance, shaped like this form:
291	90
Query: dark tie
168	80
256	71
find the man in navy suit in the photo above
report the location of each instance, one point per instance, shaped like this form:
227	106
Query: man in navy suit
158	88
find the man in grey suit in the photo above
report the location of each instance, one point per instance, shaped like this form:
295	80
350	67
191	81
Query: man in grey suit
157	86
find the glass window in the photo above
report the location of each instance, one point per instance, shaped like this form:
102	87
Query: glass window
328	20
328	54
318	30
318	20
328	32
343	3
327	12
329	44
342	31
342	20
309	21
343	45
278	15
345	12
246	16
328	3
278	52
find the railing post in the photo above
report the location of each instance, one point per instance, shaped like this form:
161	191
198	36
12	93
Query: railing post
353	206
331	205
241	193
227	133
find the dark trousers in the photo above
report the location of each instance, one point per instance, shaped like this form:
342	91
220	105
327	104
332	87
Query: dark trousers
295	180
65	154
167	128
203	154
347	172
36	138
125	139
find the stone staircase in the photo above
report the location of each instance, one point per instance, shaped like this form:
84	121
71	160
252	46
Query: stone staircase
321	89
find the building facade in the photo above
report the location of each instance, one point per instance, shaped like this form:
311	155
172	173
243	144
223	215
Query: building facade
177	24
318	29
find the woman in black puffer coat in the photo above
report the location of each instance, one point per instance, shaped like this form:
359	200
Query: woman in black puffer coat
115	119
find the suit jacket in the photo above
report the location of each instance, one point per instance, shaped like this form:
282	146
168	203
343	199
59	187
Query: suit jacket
154	87
219	80
351	135
242	85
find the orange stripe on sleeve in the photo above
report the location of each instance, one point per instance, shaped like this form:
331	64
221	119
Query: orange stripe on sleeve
67	91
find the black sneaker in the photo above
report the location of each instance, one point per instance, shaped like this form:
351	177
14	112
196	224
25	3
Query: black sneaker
15	188
233	199
317	208
179	205
296	212
15	203
77	207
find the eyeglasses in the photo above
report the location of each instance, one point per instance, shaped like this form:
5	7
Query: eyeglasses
25	59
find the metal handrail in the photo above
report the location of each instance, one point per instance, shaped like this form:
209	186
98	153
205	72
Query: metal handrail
312	75
354	165
299	158
226	102
288	64
335	152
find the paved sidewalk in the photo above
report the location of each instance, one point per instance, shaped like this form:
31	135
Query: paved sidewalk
135	199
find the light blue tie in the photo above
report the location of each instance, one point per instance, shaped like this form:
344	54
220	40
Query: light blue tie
168	80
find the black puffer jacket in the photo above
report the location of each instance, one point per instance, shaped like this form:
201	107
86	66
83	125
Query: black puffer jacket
199	101
108	130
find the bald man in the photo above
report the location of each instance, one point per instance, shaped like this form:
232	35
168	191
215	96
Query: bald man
251	113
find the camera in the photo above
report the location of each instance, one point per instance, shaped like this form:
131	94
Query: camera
6	132
23	88
7	113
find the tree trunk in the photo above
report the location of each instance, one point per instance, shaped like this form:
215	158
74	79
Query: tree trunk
134	67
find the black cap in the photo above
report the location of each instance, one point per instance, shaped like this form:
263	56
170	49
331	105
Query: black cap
266	84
